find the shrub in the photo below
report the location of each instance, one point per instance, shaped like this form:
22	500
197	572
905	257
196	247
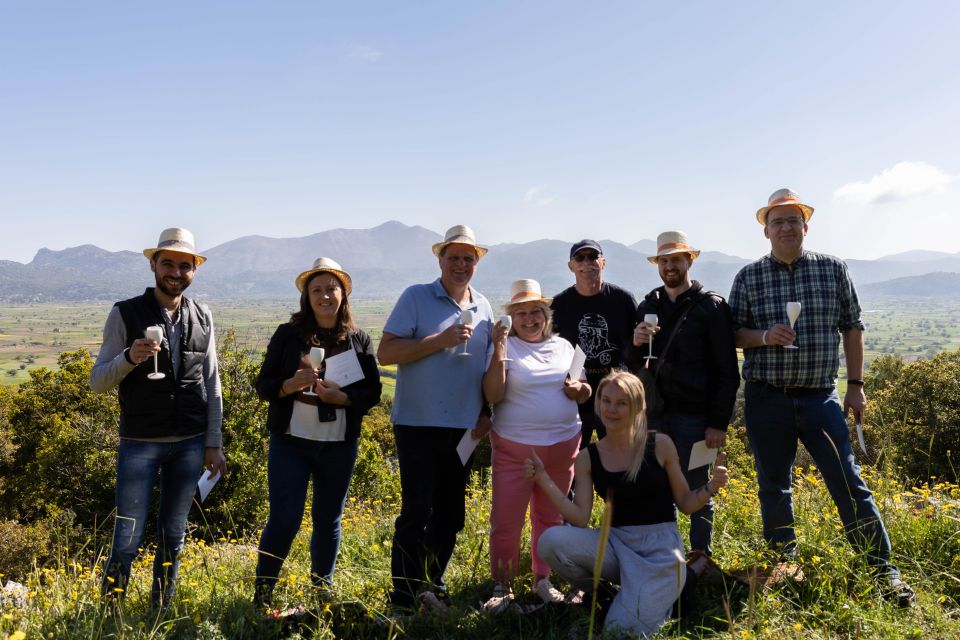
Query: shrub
917	407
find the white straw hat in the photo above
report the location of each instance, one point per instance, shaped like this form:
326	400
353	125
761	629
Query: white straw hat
673	242
328	265
175	239
459	234
525	290
782	197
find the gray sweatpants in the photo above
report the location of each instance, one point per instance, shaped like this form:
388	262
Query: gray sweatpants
646	561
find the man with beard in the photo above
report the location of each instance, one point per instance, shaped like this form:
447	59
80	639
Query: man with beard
169	423
697	376
596	316
791	393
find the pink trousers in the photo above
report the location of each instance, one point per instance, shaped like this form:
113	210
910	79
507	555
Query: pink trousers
512	492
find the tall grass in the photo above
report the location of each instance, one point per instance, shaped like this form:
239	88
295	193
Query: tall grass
837	599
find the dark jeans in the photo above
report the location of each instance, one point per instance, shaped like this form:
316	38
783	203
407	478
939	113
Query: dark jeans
686	430
179	465
775	422
291	463
433	486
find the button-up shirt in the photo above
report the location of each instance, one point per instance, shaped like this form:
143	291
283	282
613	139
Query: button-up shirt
828	307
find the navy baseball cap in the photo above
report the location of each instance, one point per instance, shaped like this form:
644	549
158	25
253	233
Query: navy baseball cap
585	244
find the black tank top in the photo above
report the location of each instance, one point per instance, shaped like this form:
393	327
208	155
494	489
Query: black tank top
646	500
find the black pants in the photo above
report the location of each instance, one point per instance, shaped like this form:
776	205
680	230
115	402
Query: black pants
433	486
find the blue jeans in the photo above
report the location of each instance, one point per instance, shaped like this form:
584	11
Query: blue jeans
433	488
686	430
291	463
179	465
775	422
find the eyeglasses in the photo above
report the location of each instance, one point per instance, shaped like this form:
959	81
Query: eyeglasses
586	255
785	222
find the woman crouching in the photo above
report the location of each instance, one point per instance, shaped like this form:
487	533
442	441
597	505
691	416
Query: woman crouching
639	472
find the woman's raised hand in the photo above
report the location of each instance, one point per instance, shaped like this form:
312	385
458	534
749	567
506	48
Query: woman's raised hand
720	473
533	466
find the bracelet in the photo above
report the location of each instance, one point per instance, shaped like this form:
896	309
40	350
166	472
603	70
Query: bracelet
855	382
763	338
126	356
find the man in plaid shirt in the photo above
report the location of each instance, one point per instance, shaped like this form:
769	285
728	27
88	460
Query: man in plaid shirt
791	393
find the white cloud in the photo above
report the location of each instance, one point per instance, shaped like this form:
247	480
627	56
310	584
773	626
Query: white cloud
537	196
364	53
902	181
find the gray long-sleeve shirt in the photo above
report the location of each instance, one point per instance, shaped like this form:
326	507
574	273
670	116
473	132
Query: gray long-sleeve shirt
112	367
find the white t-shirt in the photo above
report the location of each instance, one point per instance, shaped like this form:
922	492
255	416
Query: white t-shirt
534	409
305	423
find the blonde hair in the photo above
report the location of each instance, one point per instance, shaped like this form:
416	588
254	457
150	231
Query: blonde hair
631	386
547	317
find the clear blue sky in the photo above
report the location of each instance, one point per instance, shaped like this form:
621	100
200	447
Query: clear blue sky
522	119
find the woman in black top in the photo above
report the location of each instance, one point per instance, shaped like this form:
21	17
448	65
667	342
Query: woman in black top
639	472
312	436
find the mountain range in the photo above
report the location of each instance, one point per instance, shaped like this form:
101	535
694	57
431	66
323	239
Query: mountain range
385	259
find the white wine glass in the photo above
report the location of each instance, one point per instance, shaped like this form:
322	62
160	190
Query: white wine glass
650	319
155	333
507	322
793	312
316	359
466	318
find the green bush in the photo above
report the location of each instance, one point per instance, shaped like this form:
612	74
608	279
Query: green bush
915	413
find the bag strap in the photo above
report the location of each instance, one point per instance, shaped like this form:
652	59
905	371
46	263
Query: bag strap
691	303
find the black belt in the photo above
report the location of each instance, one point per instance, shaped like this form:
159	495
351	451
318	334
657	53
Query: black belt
793	392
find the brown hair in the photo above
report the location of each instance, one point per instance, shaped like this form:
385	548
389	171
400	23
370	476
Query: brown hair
304	322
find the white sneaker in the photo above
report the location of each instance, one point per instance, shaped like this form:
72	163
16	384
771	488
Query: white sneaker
500	601
547	592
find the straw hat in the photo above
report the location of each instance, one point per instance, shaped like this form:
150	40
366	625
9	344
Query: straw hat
525	290
175	239
670	242
783	197
330	266
459	234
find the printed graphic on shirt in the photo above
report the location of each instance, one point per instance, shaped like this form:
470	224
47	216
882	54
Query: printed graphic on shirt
593	337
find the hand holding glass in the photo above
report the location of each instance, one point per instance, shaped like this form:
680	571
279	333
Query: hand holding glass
155	333
650	319
316	359
466	318
507	322
793	312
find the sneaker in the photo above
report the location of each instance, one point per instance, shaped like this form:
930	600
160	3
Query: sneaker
545	590
431	602
900	592
500	601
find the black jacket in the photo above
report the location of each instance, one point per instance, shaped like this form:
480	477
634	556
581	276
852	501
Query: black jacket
282	360
700	375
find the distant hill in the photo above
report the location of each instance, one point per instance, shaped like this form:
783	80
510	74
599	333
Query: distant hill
930	285
383	261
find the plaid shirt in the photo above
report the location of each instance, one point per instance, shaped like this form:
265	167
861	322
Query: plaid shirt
829	307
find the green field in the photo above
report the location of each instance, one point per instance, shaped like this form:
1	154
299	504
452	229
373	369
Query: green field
32	336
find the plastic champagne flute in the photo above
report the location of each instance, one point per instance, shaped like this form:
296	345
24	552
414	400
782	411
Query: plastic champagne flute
650	319
793	312
507	322
466	318
155	333
316	359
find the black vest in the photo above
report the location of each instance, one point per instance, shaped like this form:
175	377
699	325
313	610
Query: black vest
176	405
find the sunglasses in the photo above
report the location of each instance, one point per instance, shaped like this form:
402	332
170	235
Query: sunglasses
587	255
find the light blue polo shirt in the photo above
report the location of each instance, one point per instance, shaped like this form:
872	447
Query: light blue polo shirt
442	389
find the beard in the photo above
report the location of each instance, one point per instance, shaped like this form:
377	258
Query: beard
173	287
